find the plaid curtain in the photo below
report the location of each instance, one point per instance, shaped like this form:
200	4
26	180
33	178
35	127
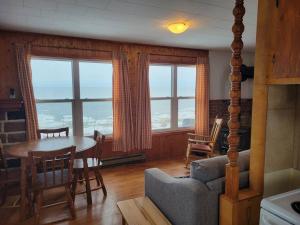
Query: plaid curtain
143	117
202	96
25	82
123	139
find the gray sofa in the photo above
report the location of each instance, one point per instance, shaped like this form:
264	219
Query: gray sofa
193	200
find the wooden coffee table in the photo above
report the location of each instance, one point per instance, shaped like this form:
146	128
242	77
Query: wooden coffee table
141	211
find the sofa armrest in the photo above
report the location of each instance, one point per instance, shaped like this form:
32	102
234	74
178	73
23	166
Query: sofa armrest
184	201
218	185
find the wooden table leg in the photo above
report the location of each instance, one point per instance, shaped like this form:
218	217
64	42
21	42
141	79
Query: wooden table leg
87	181
23	184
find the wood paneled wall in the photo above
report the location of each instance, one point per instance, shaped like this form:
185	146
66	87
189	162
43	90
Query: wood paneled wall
165	145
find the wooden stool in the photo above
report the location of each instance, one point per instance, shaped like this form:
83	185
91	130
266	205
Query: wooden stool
141	211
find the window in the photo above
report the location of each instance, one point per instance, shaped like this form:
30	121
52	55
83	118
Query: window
186	89
96	96
160	93
73	93
172	91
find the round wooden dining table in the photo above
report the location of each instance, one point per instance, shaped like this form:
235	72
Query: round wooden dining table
49	144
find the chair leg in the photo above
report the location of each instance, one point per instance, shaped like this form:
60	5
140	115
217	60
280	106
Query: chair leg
31	201
74	184
80	177
87	182
39	202
4	194
97	177
98	174
70	202
188	152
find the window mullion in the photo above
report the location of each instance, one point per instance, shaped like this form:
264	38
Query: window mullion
174	102
77	103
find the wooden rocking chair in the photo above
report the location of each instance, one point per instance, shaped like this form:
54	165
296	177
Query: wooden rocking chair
203	144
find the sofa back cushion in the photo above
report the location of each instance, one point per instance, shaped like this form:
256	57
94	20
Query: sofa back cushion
206	170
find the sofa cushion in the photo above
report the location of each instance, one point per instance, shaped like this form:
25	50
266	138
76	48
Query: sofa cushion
244	160
218	185
206	170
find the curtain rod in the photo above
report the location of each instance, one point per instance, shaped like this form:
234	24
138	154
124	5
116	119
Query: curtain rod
179	56
97	50
71	48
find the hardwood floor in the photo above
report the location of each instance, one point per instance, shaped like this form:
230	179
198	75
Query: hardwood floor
122	182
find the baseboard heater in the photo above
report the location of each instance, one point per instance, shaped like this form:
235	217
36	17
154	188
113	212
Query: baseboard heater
119	160
113	161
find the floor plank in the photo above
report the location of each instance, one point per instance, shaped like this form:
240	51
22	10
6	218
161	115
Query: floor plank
122	182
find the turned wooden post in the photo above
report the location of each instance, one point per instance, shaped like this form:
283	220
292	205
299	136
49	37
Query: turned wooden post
232	168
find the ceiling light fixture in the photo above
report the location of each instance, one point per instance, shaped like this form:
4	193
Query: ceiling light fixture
178	28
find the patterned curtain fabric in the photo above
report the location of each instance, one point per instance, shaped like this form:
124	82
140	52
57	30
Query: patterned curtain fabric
25	82
143	117
123	139
202	96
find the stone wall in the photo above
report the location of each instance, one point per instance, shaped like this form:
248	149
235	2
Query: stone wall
220	108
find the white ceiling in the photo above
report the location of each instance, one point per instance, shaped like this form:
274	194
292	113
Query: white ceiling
140	21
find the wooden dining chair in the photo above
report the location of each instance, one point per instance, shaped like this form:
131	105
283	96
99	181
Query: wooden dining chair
57	171
203	144
94	164
7	175
54	132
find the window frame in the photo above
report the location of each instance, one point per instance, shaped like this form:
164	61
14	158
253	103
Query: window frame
174	98
76	101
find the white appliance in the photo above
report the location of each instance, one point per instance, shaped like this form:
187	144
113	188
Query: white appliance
281	209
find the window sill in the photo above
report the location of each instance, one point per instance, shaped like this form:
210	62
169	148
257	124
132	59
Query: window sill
109	138
172	131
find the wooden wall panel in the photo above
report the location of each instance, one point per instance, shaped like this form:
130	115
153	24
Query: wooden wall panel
165	145
59	46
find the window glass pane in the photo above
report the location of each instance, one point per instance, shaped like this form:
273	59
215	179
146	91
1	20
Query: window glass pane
186	112
97	115
186	80
160	81
161	114
52	79
55	115
95	79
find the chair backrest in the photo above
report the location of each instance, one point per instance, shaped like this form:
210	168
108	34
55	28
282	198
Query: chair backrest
56	167
99	138
50	133
215	130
